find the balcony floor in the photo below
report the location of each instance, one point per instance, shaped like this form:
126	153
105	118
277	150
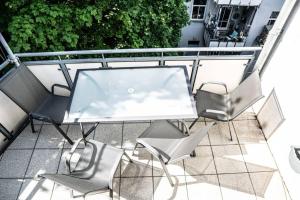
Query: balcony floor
241	169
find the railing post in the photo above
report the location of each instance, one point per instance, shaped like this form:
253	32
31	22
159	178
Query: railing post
11	55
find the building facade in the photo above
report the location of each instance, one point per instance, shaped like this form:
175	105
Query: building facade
233	23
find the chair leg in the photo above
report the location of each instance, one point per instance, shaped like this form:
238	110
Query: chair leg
126	155
71	193
111	193
228	123
167	172
63	133
31	124
136	144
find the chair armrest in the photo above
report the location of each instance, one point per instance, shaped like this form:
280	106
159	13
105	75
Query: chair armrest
215	83
185	126
71	153
41	117
5	132
58	85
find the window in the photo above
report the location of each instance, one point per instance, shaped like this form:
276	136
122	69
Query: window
224	16
273	17
198	9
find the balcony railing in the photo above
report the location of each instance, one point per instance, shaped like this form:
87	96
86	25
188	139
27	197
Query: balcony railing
239	2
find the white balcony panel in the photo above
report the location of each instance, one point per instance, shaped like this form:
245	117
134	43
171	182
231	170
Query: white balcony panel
222	1
74	67
229	72
187	64
214	44
222	44
235	2
49	75
132	64
255	2
11	115
245	2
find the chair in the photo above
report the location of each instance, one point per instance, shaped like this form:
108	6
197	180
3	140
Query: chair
22	87
94	170
226	107
168	144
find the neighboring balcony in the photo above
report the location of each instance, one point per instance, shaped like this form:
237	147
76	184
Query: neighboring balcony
222	39
239	2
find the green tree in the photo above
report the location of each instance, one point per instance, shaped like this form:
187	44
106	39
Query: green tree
52	25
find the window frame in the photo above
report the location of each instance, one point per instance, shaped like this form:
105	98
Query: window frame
228	20
198	6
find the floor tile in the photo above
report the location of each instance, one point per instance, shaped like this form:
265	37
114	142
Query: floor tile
141	166
236	186
104	195
163	190
36	190
229	159
219	134
247	115
50	137
44	161
203	187
130	132
9	188
196	126
255	163
174	169
14	163
203	163
136	188
61	192
248	131
74	132
109	134
265	183
26	139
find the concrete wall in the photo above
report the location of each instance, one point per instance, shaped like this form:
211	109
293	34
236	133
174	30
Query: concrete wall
282	73
261	18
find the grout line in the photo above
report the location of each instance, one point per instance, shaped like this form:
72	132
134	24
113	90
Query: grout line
39	132
252	185
212	152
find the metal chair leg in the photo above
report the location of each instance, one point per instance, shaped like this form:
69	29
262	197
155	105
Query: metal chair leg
126	155
136	144
228	123
63	133
31	124
167	172
111	193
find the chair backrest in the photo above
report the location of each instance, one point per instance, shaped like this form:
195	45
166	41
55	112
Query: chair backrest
24	88
186	145
245	95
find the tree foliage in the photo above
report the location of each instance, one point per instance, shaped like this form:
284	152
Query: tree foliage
52	25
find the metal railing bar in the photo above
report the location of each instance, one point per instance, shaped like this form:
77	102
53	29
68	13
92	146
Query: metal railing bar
4	64
139	59
148	50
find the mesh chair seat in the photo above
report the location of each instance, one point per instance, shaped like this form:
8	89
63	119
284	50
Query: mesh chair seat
54	107
94	170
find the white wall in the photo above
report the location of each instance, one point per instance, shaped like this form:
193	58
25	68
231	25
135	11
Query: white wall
283	73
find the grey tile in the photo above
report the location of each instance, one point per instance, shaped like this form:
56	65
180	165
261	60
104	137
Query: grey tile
36	189
50	137
44	161
203	187
163	189
236	186
109	134
197	126
203	163
74	132
104	195
229	159
248	131
247	115
9	188
14	163
265	183
219	134
26	139
136	188
174	169
131	131
141	165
